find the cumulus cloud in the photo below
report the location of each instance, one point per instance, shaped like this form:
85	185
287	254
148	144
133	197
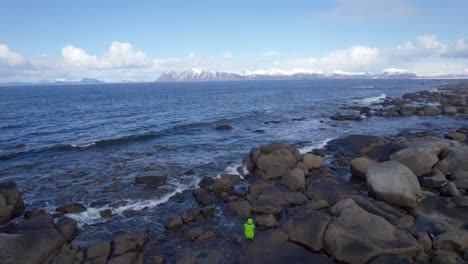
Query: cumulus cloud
78	57
362	10
9	57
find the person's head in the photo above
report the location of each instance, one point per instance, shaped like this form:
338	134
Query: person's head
249	221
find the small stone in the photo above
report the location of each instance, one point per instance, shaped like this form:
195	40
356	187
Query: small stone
105	213
173	223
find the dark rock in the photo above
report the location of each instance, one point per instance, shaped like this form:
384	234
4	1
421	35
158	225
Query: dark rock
241	208
68	228
73	208
346	117
450	190
127	258
11	201
453	239
294	179
67	254
357	144
224	127
455	136
33	213
173	223
312	161
193	233
392	260
307	227
203	196
266	220
259	131
192	215
450	110
39	222
453	159
107	213
431	110
206	182
460	178
151	181
119	204
434	179
206	236
266	207
222	185
394	183
447	257
101	249
129	242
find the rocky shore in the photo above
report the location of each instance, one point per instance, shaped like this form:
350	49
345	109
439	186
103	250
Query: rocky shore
361	199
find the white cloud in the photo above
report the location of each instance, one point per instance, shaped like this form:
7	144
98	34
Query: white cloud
78	57
362	10
227	55
429	45
9	57
270	53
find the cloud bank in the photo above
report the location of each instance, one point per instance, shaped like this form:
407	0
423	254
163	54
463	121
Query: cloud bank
426	55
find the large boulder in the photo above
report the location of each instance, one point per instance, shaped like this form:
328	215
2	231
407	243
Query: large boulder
294	179
431	110
222	185
68	228
460	178
357	236
307	227
266	220
312	161
453	159
11	201
98	250
151	181
359	166
203	196
355	144
394	183
455	136
241	208
173	223
273	160
453	239
32	246
431	145
418	161
129	242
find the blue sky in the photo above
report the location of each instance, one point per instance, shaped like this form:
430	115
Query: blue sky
114	40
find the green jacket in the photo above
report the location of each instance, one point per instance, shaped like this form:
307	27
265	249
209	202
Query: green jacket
249	229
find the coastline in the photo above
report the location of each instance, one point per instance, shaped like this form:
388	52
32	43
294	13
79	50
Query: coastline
285	195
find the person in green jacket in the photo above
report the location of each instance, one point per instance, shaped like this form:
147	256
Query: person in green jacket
249	229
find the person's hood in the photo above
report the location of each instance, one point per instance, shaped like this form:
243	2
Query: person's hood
250	221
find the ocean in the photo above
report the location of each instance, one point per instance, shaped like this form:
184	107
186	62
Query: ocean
87	143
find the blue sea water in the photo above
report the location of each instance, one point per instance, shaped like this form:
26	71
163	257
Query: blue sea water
87	143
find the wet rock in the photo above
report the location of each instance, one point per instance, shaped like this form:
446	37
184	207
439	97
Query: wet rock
418	161
273	160
192	215
231	177
203	196
208	212
33	213
68	228
455	136
434	179
129	242
424	240
224	127
127	258
447	257
294	179
266	220
317	205
158	259
453	239
307	227
119	204
394	183
107	213
357	236
357	144
461	201
206	182
206	236
193	233
453	159
359	166
151	181
11	201
450	190
346	117
312	161
101	249
73	208
241	208
222	185
460	178
173	223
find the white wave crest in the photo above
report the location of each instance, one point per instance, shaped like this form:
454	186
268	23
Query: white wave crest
372	99
232	169
315	145
85	145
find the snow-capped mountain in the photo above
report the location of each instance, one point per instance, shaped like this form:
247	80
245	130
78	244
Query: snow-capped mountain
198	75
394	73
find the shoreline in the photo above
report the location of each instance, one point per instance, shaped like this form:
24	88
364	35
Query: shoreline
293	196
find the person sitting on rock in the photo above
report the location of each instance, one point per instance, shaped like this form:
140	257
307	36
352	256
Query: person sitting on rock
249	229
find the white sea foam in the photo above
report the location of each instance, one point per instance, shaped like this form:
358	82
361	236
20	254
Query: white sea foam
372	99
315	145
85	145
232	169
92	216
433	89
